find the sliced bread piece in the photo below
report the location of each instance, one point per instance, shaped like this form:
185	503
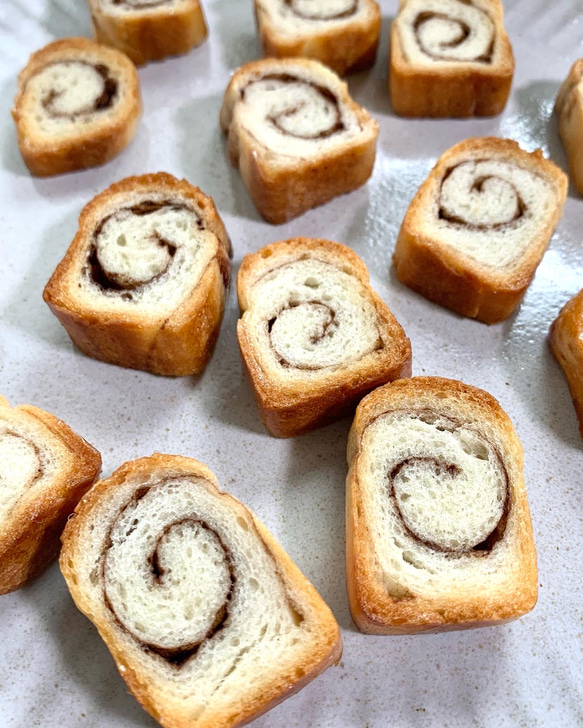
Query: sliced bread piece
143	284
450	58
569	109
45	469
209	621
566	340
148	30
478	227
296	136
438	526
314	335
341	34
78	105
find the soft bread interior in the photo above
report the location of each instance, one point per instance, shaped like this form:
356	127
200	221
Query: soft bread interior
308	315
184	567
142	7
299	17
442	32
490	207
296	111
144	249
437	499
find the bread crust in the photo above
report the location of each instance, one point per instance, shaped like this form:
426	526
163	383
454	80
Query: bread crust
178	345
325	651
99	140
291	408
460	90
566	342
30	534
345	47
282	191
457	281
373	609
150	34
569	109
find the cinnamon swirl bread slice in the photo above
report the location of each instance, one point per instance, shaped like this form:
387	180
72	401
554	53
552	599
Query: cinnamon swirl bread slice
148	30
296	136
45	469
438	526
342	34
478	227
450	58
78	105
209	621
566	340
143	284
313	334
569	108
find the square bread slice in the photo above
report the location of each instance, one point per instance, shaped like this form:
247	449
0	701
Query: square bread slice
566	341
450	58
144	283
148	30
209	621
341	34
313	334
569	109
478	227
296	136
438	532
45	469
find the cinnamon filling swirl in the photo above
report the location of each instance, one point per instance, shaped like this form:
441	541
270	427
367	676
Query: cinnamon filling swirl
22	464
323	10
296	107
474	197
77	89
135	246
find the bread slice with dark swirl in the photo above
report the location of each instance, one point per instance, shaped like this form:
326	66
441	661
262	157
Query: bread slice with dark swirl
566	341
209	621
144	283
78	105
341	34
45	469
438	525
450	58
296	136
148	30
478	227
313	334
569	109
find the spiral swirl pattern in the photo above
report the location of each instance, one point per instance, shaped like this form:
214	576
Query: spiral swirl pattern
314	316
22	464
74	89
322	9
446	31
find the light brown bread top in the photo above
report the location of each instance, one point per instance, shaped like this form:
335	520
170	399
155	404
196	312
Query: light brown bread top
438	524
569	108
234	630
78	105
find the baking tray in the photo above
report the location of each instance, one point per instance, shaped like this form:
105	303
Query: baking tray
54	669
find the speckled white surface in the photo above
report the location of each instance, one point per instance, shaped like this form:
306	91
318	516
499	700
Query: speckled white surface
54	669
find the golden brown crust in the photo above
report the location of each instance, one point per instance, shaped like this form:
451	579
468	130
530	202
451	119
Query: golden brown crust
285	681
30	536
569	108
153	34
453	280
460	90
372	607
282	192
345	48
99	140
566	342
289	410
176	346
